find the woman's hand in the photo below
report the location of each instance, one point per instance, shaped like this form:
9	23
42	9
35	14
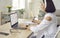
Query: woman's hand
42	6
28	28
36	21
23	25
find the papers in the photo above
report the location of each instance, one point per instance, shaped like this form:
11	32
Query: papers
27	22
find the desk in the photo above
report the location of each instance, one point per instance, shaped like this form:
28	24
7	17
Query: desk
6	28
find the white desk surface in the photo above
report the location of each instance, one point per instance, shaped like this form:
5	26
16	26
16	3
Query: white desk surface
6	28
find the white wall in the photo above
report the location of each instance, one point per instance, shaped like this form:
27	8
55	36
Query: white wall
57	4
3	4
35	7
0	18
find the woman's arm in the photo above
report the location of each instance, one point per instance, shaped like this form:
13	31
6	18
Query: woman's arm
45	23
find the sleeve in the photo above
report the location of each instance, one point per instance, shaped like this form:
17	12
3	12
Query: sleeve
41	26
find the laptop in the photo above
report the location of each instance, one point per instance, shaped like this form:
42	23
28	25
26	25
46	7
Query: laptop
14	20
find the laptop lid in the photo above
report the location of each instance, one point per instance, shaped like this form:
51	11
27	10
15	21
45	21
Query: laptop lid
14	19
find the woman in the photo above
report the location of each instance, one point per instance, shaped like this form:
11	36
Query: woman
48	26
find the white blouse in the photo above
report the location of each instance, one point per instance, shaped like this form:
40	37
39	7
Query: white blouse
49	26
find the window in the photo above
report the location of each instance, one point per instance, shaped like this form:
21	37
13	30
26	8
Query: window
18	4
22	4
15	4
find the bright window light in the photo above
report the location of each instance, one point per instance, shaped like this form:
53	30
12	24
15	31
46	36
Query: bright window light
15	4
18	4
22	4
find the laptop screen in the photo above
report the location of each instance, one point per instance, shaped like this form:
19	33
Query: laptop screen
14	19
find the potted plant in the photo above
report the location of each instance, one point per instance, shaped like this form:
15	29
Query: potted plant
21	11
9	8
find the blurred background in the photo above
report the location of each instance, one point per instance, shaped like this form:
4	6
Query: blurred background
26	9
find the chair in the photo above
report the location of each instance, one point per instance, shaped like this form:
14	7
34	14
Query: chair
57	32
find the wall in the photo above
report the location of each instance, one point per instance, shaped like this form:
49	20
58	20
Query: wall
35	7
57	3
4	4
0	18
